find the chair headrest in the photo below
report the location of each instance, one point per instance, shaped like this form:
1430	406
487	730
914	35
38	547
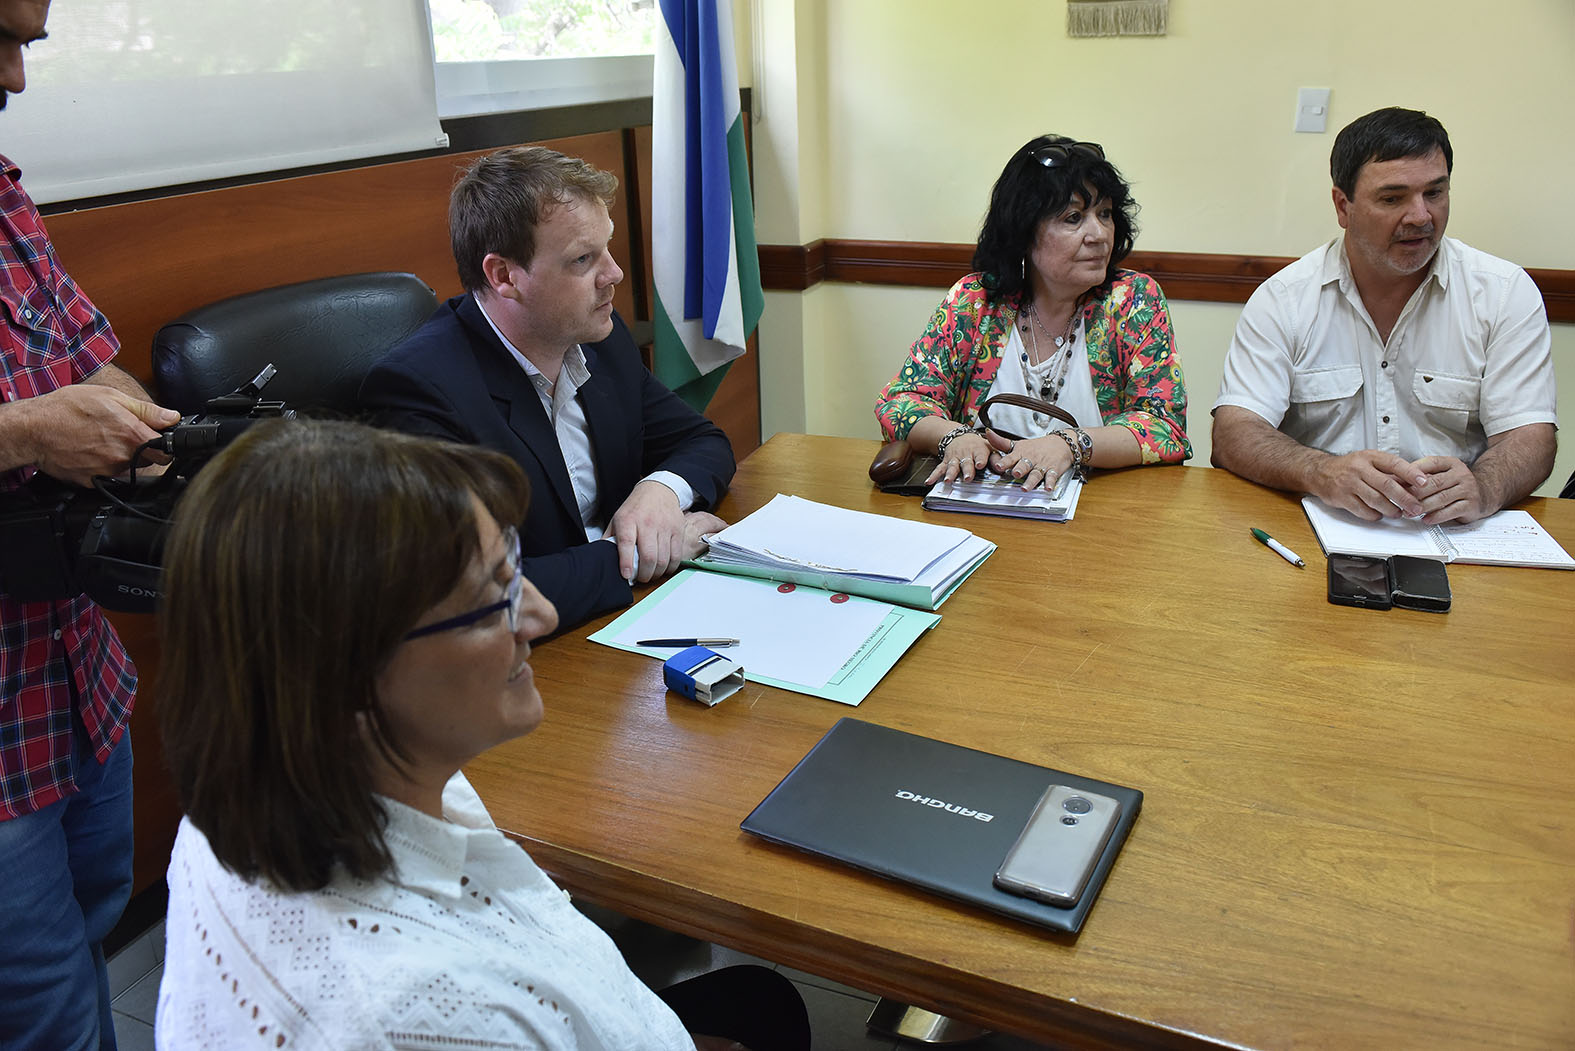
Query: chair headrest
322	335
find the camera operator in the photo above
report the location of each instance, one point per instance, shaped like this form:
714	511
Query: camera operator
66	683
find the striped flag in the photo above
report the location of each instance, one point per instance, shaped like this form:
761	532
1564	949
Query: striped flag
703	256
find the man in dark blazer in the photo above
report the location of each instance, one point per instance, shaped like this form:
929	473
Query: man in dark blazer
532	361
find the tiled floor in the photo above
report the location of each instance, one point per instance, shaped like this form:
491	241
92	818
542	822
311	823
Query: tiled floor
134	974
836	1012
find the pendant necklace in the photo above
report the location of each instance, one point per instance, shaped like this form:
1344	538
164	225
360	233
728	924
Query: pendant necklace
1049	376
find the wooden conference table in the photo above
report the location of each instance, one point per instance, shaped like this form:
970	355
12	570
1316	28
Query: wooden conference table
1358	830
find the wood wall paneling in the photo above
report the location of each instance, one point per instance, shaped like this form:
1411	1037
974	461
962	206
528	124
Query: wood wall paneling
642	150
1558	292
736	406
793	268
921	263
1216	278
148	261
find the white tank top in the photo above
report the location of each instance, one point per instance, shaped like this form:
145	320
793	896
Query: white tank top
1077	396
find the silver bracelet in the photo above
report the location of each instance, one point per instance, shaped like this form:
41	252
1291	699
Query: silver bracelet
1081	444
1071	446
940	447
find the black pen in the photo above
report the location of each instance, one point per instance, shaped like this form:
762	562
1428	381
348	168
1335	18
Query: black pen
687	642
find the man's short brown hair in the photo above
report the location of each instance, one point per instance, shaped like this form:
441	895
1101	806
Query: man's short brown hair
500	200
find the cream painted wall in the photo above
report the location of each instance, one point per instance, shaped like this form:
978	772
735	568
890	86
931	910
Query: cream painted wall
789	142
743	41
906	110
926	103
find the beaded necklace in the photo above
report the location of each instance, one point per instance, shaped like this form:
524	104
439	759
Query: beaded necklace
1049	375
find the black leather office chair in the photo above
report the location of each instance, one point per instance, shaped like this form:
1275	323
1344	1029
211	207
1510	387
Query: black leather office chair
321	335
1568	492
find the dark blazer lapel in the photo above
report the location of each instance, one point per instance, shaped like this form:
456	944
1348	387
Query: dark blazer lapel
518	403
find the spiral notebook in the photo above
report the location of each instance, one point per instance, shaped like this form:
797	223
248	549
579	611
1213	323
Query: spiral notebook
1509	538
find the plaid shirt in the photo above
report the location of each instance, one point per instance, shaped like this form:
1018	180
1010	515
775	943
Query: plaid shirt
52	654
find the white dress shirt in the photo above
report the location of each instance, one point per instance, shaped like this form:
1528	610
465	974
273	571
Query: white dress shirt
574	434
469	944
1470	356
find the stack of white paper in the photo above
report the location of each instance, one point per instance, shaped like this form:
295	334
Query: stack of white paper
995	495
913	563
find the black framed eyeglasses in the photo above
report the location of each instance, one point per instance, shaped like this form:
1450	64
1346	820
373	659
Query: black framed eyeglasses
513	596
1058	153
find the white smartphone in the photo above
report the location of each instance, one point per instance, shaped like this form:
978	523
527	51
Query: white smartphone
1056	853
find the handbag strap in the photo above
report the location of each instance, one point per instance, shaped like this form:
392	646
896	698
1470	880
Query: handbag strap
1023	401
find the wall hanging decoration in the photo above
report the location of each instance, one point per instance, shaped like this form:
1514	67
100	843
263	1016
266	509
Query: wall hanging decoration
1116	17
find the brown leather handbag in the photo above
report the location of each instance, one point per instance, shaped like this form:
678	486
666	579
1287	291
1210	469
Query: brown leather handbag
896	469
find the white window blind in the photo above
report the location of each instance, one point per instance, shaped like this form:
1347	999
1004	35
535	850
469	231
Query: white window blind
505	55
466	89
132	94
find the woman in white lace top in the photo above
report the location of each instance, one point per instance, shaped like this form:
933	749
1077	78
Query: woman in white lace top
344	626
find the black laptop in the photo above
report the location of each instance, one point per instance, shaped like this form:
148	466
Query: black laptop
867	795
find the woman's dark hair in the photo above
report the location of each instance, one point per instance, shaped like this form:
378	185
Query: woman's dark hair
1389	134
1027	193
299	558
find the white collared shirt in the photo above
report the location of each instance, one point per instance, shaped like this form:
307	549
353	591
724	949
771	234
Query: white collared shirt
469	944
574	433
1470	356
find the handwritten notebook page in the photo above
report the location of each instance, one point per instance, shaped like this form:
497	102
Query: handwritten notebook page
1509	538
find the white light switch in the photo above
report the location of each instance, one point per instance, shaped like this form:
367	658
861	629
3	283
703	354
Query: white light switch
1312	109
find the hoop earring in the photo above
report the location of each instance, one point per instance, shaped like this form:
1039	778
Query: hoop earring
1022	268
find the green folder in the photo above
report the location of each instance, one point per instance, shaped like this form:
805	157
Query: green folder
916	595
867	660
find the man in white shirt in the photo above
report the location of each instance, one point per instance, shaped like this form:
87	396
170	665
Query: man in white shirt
532	361
1393	372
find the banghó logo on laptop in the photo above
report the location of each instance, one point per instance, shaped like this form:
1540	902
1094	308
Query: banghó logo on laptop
941	804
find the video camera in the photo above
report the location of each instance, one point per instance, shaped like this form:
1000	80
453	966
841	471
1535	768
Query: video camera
58	540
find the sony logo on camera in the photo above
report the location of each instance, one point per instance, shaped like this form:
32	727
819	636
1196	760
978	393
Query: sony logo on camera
58	541
941	804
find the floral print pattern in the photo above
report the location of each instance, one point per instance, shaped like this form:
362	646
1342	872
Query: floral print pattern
1131	356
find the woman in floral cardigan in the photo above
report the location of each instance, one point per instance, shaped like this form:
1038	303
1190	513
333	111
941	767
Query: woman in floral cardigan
1048	313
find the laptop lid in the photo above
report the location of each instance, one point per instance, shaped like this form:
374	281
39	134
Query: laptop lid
925	812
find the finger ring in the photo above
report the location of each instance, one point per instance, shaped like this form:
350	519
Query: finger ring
954	463
1026	462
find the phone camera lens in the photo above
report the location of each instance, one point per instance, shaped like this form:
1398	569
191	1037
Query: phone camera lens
1068	819
1076	805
